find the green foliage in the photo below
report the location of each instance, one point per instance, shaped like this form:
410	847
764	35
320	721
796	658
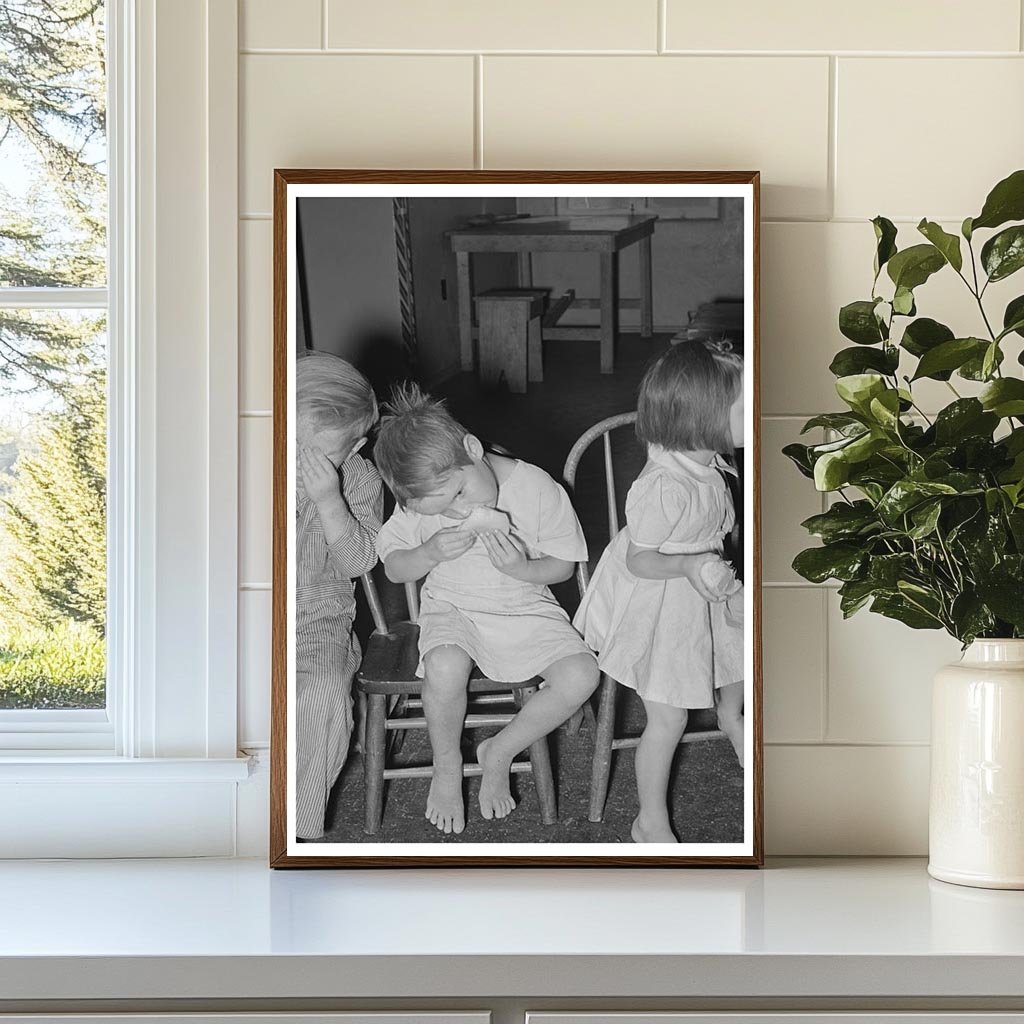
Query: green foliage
53	124
927	526
53	520
62	667
52	471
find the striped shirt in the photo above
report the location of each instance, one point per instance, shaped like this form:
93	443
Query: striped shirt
324	571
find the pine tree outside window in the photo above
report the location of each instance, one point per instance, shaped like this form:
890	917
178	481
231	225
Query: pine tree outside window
53	367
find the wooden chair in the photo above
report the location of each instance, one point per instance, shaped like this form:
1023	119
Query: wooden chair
605	740
393	693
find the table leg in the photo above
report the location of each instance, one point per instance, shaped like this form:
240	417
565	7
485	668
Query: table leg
465	300
646	294
525	270
609	309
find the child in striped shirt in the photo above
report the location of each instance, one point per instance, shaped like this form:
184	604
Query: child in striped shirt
339	505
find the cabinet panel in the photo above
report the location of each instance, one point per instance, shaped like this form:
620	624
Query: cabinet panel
774	1018
361	1017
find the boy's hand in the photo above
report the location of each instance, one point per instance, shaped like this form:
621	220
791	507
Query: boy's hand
506	553
319	475
448	544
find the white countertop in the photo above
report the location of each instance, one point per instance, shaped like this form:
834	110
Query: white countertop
235	929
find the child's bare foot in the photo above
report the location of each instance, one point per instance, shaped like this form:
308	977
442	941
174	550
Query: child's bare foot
445	810
654	832
495	796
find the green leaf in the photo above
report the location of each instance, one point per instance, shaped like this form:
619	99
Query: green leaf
899	608
840	561
1006	599
906	494
885	409
925	518
925	334
947	244
1004	397
1003	254
974	368
1005	202
800	456
903	302
966	417
857	321
858	389
965	229
841	421
843	521
854	594
849	361
950	355
831	471
990	360
886	571
885	236
1013	317
913	266
971	617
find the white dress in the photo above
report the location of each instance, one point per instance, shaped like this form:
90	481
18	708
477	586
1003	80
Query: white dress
659	637
512	630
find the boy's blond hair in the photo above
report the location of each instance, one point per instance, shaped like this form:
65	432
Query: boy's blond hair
331	394
418	444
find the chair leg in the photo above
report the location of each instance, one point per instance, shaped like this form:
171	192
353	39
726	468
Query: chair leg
540	760
373	762
603	736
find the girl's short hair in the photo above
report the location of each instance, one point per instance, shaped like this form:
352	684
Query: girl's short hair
418	443
686	395
331	394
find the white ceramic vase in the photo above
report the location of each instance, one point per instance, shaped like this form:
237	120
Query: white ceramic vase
976	814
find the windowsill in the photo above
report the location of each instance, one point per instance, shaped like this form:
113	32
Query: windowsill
824	928
79	766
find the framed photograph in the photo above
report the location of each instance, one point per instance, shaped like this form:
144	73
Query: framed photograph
516	588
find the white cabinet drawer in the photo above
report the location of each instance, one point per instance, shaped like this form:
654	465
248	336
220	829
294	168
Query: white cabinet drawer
360	1017
775	1018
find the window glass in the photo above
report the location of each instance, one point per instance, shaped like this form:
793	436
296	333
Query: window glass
53	386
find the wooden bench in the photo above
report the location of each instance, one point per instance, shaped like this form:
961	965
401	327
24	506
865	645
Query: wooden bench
510	336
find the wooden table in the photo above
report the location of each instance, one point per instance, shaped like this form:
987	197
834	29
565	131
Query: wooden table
605	236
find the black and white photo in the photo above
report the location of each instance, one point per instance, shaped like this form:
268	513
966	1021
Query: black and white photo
516	610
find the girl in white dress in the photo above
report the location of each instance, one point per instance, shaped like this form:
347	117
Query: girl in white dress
663	610
489	533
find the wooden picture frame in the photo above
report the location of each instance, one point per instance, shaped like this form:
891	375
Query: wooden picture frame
374	266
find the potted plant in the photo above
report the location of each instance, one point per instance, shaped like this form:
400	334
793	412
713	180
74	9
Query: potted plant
927	521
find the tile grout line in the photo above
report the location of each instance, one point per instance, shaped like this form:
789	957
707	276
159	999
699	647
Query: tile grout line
831	171
1020	25
825	715
662	26
478	111
323	24
851	744
259	51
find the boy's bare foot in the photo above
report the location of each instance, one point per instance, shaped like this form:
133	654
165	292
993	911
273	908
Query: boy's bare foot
659	832
445	810
495	796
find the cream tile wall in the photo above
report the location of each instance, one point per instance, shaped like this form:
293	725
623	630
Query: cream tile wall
909	110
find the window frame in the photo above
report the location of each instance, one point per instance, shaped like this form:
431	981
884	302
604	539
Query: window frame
159	359
93	729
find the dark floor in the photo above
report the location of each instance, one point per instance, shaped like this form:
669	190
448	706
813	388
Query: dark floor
706	797
540	427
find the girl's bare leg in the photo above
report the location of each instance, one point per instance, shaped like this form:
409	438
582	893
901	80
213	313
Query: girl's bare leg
446	670
654	756
730	715
570	681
